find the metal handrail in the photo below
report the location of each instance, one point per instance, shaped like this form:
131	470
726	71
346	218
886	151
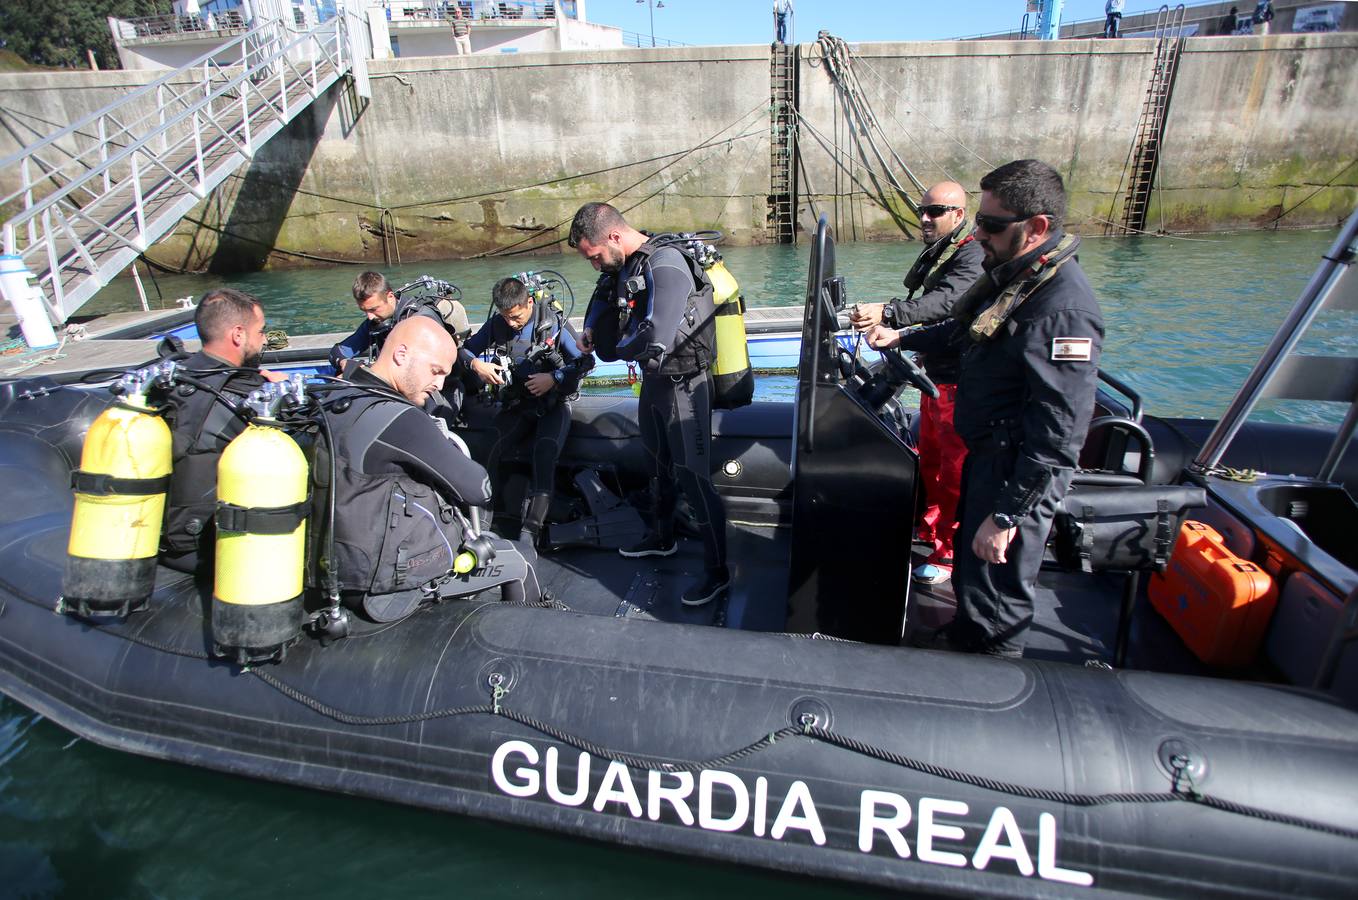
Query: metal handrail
1333	267
164	125
155	26
218	106
126	99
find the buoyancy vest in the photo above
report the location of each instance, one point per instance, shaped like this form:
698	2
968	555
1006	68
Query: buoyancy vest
621	313
987	306
536	350
201	427
393	532
928	267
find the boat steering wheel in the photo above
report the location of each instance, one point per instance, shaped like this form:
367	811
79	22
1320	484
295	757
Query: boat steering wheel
851	367
906	368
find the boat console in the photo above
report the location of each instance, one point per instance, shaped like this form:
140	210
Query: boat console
854	473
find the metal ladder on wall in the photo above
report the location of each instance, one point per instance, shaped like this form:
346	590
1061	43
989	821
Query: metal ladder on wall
782	216
1138	173
95	195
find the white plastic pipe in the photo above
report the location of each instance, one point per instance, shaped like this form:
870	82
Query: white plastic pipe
27	302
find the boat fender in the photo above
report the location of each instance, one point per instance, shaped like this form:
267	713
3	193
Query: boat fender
262	508
120	491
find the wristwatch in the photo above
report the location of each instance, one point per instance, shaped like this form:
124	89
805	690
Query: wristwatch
1004	522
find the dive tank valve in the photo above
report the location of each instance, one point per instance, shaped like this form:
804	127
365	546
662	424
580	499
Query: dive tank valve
477	550
120	491
262	508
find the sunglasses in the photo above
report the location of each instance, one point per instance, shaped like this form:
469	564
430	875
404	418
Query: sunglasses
934	210
996	224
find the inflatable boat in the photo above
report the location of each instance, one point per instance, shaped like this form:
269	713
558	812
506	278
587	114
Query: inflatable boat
789	727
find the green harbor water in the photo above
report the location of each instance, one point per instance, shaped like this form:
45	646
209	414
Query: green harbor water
1185	319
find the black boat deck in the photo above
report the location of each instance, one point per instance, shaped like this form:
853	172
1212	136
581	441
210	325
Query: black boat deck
1076	618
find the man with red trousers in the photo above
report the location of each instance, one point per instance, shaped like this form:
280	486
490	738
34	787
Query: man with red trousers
948	266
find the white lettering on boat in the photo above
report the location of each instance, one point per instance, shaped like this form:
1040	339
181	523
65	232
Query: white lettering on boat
724	802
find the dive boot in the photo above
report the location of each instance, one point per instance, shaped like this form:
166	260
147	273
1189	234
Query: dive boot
533	515
653	544
710	588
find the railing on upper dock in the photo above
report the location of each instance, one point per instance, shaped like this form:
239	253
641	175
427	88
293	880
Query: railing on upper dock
96	194
482	12
178	26
632	39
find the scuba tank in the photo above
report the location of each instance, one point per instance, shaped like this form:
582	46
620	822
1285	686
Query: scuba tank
262	507
120	491
732	378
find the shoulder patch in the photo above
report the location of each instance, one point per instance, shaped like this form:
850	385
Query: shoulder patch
1072	349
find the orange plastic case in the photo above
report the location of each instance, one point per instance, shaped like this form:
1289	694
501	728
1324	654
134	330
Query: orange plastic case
1219	603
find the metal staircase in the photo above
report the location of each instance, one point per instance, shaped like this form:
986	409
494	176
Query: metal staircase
782	215
95	195
1138	173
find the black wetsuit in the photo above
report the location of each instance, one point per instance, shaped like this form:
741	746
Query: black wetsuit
366	342
398	478
201	426
367	339
674	411
545	344
1024	402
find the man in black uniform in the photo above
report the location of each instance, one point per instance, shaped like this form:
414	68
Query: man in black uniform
402	486
231	326
654	307
1030	332
944	271
546	366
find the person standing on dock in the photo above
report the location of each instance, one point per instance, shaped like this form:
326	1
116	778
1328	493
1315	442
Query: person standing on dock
949	264
1263	16
1113	10
1030	332
462	32
665	328
230	324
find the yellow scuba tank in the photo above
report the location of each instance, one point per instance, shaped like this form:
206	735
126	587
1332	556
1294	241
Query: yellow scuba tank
732	379
262	507
120	491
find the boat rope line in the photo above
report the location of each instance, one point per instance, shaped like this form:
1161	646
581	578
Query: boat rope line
674	158
708	143
951	134
1278	218
1182	790
482	195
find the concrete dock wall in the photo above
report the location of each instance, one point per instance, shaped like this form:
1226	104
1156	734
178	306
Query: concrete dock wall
463	155
1257	126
